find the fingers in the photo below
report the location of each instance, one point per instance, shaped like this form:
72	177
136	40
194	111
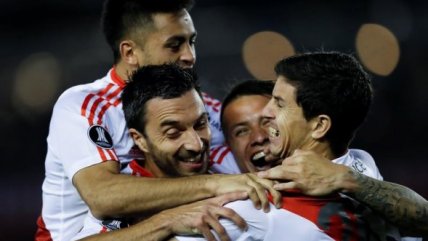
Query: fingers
230	197
255	198
208	235
261	186
285	186
275	173
211	222
218	228
276	195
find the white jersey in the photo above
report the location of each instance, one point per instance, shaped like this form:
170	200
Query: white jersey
303	218
300	218
222	160
93	225
88	127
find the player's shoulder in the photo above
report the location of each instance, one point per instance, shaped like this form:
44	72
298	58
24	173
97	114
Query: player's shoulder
91	95
364	163
77	94
212	104
222	160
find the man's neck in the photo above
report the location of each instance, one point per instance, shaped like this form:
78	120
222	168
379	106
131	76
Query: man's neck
123	70
323	148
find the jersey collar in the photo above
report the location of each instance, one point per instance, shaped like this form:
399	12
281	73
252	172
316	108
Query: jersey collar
116	78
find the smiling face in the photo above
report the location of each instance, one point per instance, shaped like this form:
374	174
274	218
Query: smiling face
246	131
171	40
177	136
288	129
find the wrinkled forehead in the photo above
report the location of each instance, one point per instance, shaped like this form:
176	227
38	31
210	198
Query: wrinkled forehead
178	21
244	109
186	108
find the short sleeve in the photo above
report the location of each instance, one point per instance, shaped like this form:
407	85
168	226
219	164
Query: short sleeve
213	107
74	142
364	163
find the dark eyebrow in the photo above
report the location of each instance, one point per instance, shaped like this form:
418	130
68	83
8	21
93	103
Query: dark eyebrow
171	122
277	98
180	38
243	123
168	122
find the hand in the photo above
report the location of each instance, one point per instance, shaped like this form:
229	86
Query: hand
203	216
311	173
254	186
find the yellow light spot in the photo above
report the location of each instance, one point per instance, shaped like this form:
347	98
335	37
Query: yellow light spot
36	83
377	48
262	50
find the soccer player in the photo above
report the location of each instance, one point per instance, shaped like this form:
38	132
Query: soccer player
303	218
164	110
88	141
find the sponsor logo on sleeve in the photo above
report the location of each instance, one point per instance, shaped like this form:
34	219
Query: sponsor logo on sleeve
100	137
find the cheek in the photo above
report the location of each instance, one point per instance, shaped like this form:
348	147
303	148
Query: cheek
283	124
238	146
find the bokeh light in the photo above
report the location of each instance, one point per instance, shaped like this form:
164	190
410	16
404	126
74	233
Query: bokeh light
262	50
36	84
377	48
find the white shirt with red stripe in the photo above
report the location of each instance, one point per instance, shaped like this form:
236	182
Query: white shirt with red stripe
222	160
304	218
93	225
88	127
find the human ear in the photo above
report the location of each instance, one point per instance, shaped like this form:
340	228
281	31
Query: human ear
129	52
139	139
320	126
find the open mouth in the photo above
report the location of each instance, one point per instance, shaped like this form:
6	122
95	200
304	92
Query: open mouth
258	160
194	159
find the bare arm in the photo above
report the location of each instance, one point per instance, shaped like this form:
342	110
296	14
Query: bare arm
196	218
316	176
109	193
398	204
157	227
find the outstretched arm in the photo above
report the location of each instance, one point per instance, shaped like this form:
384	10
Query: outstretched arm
316	176
109	193
398	204
196	218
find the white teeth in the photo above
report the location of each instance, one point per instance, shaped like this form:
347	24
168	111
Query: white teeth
259	155
273	132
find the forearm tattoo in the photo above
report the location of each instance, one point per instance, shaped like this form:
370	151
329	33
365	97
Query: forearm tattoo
400	205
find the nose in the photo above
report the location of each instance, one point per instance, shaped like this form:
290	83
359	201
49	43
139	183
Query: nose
193	142
259	136
267	110
188	56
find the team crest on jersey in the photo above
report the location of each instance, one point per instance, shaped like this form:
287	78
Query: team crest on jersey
100	137
359	166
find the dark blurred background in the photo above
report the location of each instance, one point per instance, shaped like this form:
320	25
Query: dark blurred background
47	46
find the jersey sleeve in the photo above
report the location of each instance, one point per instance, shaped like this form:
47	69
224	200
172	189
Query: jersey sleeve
74	141
213	107
364	163
222	160
91	227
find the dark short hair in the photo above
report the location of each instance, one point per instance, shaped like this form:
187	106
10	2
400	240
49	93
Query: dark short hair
248	87
123	17
166	81
330	83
